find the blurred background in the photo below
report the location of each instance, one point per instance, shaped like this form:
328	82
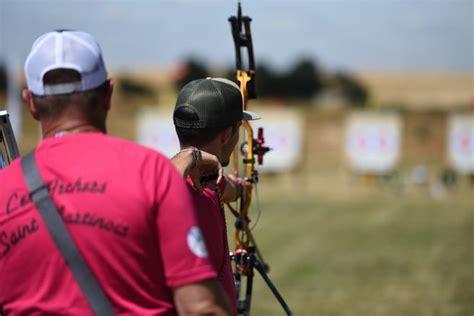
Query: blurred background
366	200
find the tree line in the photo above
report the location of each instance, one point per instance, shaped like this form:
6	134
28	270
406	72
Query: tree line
303	81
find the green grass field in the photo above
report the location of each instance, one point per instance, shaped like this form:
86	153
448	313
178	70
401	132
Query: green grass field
340	249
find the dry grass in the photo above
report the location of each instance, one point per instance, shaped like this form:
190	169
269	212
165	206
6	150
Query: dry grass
420	91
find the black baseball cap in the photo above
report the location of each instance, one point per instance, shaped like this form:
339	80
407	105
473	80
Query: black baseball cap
210	103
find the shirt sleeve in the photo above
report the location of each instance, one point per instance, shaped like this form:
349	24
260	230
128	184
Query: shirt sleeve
183	250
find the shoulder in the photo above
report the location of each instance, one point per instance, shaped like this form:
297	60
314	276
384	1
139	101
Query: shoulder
207	200
136	151
125	143
11	179
10	172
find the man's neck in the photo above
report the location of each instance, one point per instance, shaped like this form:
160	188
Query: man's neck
66	127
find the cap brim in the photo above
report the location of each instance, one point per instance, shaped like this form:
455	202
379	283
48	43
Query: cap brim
250	116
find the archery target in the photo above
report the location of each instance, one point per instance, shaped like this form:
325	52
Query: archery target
283	133
155	129
461	142
373	142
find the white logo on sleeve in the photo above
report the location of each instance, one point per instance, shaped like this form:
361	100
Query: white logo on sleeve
196	242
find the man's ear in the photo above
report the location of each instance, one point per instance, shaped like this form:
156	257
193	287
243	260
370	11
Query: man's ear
226	135
108	97
28	98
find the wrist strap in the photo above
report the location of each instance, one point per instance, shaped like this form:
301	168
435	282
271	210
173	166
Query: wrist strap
196	153
197	156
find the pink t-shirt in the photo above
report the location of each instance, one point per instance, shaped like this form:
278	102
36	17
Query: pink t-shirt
130	215
211	219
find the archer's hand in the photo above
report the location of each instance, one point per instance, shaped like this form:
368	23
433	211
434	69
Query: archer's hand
203	168
207	172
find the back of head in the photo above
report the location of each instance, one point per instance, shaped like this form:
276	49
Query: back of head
65	49
204	107
215	102
65	71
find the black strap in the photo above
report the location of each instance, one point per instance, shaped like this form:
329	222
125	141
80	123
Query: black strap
40	196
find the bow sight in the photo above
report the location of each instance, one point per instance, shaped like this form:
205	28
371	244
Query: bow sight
259	148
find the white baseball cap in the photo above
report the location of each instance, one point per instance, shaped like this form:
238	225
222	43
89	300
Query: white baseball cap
65	49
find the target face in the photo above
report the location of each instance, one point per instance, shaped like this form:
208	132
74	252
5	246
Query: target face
283	132
461	142
373	142
155	129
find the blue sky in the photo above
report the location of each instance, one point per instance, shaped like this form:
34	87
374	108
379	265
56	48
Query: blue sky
357	35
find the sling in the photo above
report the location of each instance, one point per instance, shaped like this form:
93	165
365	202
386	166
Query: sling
39	194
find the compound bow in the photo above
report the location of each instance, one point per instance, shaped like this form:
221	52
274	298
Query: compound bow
247	255
250	147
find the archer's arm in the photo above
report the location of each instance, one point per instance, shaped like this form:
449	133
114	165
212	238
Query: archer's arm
202	298
186	160
233	188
